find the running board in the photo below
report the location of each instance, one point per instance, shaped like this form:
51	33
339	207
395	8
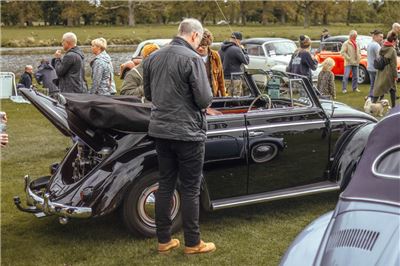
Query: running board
320	187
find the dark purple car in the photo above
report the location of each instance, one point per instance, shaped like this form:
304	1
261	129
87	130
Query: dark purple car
364	229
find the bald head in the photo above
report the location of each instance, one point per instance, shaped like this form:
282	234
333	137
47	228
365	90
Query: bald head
69	40
28	68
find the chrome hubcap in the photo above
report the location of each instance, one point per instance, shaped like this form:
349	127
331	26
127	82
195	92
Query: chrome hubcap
361	76
146	205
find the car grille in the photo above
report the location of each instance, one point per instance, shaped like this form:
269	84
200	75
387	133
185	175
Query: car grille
353	238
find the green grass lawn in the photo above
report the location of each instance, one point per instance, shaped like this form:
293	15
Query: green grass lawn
51	36
252	235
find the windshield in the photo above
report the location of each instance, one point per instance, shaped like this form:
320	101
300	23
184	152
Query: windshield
364	41
280	48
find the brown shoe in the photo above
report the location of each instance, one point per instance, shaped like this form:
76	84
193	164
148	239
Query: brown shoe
167	247
202	247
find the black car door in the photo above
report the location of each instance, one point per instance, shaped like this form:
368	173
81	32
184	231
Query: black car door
225	166
288	143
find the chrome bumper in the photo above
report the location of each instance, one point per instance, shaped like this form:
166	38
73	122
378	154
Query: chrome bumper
47	207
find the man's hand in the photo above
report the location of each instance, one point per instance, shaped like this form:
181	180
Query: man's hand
212	111
57	54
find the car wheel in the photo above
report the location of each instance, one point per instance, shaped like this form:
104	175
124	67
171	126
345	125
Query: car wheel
139	207
363	76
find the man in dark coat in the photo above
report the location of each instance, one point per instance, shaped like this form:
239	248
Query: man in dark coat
175	81
233	56
70	69
26	78
45	75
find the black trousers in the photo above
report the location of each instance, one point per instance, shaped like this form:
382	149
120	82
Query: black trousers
183	159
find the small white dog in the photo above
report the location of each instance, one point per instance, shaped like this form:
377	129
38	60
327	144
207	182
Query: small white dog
376	109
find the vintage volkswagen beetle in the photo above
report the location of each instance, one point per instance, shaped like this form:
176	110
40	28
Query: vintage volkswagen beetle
364	229
272	54
277	142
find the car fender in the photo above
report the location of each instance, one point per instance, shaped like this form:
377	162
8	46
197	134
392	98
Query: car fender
349	149
304	248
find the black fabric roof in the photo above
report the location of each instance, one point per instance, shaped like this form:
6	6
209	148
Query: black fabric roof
365	184
124	113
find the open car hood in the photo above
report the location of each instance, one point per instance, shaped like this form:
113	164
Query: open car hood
50	108
94	119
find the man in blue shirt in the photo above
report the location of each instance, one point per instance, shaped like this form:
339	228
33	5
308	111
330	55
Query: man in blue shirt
373	49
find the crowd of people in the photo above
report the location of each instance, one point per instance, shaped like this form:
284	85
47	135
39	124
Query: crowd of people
67	74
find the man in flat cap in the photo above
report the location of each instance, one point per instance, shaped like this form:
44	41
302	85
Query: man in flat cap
373	49
233	56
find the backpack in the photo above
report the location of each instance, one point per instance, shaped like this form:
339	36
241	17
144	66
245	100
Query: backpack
380	62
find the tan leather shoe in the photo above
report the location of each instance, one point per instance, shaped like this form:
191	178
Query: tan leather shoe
167	247
202	247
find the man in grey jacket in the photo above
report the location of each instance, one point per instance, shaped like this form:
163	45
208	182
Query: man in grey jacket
71	68
373	53
175	81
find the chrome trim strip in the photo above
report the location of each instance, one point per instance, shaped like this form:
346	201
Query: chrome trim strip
286	124
283	125
370	200
374	164
269	197
49	207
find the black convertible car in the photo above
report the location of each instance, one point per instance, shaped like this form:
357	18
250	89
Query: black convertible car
277	142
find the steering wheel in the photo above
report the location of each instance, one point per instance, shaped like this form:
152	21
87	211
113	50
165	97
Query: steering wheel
265	96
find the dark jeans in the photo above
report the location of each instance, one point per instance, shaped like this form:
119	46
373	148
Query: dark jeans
354	77
184	159
372	75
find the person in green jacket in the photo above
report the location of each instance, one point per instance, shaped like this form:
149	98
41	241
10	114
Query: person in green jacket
133	81
386	79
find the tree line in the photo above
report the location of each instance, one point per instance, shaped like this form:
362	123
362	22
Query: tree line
132	12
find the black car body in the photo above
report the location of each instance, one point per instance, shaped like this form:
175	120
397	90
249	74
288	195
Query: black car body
280	141
364	229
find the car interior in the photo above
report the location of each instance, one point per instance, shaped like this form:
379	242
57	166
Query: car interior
273	92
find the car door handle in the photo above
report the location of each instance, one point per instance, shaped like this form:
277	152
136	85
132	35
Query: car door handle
255	133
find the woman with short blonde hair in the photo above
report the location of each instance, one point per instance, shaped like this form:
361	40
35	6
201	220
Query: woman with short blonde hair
100	42
102	69
326	79
328	64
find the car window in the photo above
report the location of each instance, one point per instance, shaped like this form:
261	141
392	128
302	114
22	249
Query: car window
331	47
254	49
280	48
283	91
363	42
388	164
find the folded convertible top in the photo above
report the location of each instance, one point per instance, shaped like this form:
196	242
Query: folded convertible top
123	113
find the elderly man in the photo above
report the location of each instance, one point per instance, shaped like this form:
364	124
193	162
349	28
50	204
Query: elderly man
396	29
70	69
175	81
352	55
233	56
26	78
